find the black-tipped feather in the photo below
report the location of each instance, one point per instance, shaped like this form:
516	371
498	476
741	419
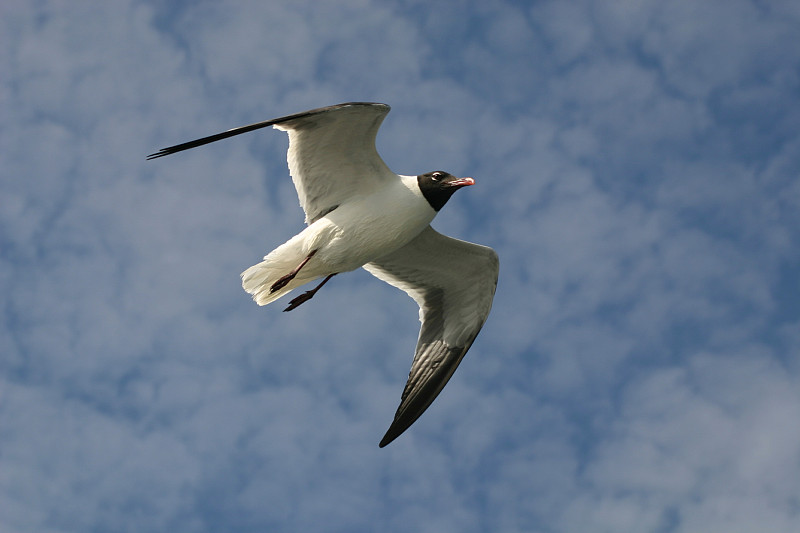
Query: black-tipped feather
244	129
211	138
453	282
424	386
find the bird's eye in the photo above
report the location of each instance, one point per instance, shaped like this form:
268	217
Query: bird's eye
436	176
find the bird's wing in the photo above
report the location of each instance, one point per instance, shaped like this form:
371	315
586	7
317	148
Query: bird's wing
453	282
331	156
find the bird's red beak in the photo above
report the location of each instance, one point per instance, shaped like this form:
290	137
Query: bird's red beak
460	182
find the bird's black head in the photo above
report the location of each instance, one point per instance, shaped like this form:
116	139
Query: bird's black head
437	187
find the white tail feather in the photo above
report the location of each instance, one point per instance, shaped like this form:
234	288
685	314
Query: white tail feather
258	280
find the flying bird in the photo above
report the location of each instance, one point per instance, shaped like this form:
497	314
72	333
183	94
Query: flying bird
361	214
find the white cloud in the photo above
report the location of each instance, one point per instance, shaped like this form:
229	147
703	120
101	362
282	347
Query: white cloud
701	442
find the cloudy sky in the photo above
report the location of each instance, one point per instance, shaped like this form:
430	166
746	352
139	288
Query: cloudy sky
637	171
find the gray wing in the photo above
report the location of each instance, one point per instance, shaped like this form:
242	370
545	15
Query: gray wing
331	152
332	155
453	282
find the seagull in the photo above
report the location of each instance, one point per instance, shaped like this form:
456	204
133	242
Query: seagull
361	214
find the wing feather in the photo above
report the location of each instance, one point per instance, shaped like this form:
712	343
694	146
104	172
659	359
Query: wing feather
453	282
331	154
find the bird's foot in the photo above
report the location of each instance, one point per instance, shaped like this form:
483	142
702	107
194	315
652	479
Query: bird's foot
306	296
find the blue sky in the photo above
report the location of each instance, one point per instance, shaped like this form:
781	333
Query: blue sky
637	172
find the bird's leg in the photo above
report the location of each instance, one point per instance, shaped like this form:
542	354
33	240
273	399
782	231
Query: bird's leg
306	296
284	280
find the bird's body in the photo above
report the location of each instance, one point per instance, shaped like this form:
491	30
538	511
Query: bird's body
361	214
345	239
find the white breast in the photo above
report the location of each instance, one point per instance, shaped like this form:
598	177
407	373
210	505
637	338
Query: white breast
372	226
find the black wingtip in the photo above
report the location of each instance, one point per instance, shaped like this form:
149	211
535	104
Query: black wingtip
211	138
174	149
200	142
397	428
386	440
160	153
250	127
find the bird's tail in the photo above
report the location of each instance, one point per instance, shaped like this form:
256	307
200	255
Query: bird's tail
258	280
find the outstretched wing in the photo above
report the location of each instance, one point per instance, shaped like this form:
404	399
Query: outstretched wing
331	153
453	282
